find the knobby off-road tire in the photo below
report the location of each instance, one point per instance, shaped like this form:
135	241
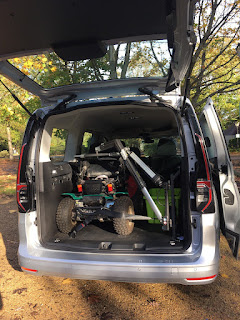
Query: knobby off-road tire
64	215
121	226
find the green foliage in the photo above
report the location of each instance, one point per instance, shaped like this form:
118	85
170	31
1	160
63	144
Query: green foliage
4	154
145	59
3	138
150	149
227	107
61	133
12	115
57	147
58	142
61	72
149	59
234	145
33	104
214	71
17	132
8	184
10	110
86	142
132	142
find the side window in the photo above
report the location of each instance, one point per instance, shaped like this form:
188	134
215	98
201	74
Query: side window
86	142
150	147
58	144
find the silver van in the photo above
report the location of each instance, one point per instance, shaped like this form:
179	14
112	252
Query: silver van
142	187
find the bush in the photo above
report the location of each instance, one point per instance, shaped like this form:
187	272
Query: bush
4	154
234	145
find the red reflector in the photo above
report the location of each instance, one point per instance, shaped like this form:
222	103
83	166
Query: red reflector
79	188
203	278
26	269
110	187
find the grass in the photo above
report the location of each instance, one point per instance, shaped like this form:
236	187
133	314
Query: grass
8	185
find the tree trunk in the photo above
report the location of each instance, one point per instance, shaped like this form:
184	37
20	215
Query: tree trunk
126	60
112	62
10	148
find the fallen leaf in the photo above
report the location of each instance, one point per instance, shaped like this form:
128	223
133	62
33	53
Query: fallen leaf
67	281
223	275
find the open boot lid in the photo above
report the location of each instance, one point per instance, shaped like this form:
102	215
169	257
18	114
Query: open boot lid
76	31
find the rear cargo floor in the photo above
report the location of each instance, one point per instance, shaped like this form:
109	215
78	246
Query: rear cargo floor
102	236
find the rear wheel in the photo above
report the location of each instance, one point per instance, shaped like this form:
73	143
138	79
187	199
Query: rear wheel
122	226
64	215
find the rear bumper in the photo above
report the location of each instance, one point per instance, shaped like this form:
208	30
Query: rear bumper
199	265
150	273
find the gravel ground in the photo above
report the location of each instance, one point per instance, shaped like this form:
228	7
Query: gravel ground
24	296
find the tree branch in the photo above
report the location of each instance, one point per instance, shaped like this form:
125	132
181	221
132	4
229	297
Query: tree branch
203	40
223	21
219	54
211	81
199	19
224	89
159	63
96	70
221	66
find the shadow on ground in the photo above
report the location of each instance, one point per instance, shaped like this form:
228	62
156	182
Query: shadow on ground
1	304
9	229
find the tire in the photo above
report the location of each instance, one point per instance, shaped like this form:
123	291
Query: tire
121	226
64	220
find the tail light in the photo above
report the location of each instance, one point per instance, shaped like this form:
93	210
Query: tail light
204	193
22	193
